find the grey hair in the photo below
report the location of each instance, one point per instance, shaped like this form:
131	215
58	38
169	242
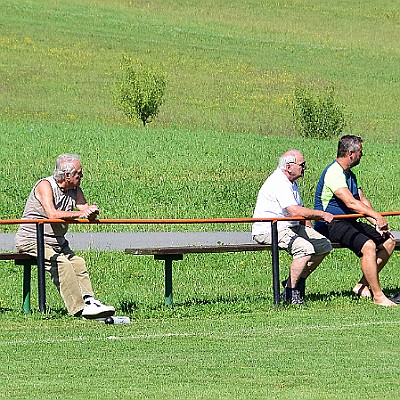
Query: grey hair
348	143
288	157
65	164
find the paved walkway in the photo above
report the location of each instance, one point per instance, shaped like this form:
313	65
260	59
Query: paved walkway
104	241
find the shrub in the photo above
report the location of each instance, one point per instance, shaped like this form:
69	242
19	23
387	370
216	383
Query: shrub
317	115
140	90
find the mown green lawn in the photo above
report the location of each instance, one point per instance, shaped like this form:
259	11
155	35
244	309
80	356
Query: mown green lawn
232	68
312	354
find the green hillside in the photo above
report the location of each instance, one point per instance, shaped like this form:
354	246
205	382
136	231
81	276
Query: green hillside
231	65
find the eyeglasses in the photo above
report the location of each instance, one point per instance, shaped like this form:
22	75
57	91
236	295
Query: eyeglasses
302	164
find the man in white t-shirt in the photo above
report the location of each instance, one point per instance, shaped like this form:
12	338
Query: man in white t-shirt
279	197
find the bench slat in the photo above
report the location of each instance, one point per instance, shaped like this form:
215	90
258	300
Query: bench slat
227	248
16	256
211	248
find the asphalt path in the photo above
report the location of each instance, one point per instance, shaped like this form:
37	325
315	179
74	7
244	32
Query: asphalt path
106	241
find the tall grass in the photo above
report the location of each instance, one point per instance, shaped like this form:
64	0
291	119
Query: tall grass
169	173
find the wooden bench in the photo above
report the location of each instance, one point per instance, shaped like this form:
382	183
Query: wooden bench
230	242
26	261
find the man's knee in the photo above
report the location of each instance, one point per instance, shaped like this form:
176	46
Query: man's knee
389	245
368	248
67	259
301	248
69	266
78	262
58	259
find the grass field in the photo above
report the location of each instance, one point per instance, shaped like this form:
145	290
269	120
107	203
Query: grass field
256	355
232	67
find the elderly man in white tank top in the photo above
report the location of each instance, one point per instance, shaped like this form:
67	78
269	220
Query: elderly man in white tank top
60	196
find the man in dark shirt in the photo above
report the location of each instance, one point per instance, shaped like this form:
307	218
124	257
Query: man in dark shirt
338	193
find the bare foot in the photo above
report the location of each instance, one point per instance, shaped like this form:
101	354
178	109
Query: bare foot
361	290
384	301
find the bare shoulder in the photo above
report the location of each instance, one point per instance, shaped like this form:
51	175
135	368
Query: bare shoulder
43	186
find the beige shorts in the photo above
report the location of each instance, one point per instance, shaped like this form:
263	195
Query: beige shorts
299	241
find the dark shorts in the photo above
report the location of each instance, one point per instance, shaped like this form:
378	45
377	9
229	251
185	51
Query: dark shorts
351	234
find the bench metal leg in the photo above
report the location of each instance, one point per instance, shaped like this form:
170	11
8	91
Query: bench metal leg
275	263
168	258
41	268
26	283
26	289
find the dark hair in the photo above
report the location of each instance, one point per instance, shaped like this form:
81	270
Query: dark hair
348	143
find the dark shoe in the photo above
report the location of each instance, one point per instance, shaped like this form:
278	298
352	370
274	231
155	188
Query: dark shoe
296	297
395	298
301	285
292	296
283	295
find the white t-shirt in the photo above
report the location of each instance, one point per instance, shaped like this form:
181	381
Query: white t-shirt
276	194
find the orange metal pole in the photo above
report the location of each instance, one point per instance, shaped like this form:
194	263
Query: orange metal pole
175	221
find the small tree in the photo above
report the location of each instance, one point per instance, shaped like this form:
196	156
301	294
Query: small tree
317	116
140	90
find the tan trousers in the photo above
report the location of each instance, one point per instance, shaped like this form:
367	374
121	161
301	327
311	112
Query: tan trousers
68	272
299	241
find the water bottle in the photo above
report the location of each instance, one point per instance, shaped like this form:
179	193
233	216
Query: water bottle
116	320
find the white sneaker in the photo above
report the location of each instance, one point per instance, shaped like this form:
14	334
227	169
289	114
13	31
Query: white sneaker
96	309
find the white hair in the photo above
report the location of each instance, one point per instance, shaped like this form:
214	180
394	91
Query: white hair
65	164
287	158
